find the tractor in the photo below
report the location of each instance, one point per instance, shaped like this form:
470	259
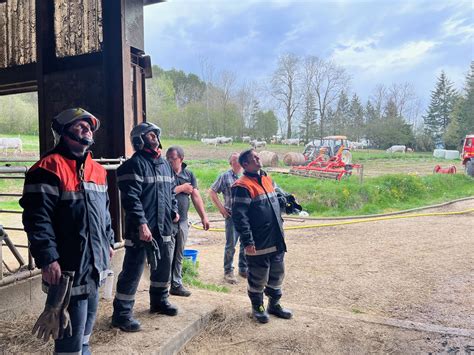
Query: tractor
467	155
332	159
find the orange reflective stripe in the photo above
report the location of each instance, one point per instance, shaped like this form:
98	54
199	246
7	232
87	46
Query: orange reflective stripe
254	188
65	170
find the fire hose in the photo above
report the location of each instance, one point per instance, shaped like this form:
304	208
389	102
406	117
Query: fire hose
369	218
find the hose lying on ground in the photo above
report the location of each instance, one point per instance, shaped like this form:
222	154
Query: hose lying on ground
366	218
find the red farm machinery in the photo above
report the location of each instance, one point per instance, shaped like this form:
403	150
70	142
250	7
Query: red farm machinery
467	155
329	158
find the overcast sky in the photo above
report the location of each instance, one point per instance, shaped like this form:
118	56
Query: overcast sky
375	41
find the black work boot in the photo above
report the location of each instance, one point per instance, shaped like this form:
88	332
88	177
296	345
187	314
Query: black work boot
260	314
127	324
275	308
164	307
180	291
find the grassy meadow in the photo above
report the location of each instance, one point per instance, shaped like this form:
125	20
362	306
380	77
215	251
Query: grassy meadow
318	197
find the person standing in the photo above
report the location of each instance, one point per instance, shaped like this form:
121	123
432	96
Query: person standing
257	218
146	182
186	187
223	185
67	220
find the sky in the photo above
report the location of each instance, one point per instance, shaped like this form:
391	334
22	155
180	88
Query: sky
377	42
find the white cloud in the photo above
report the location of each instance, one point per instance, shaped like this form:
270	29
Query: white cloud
459	27
367	55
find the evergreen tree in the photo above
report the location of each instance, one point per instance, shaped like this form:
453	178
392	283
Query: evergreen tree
340	124
308	123
440	110
465	114
356	119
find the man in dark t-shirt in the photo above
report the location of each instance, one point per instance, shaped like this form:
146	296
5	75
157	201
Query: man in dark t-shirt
186	187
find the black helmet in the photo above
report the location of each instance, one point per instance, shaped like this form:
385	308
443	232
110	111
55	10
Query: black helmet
137	133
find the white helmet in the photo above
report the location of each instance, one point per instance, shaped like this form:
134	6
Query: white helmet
67	117
137	133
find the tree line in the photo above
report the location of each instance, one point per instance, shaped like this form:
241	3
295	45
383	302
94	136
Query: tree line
305	97
308	98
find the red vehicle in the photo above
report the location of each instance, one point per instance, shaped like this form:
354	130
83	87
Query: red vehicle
467	155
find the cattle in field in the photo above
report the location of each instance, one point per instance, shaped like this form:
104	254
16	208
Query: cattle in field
275	139
291	141
410	150
224	140
246	139
210	141
11	143
397	149
357	145
258	144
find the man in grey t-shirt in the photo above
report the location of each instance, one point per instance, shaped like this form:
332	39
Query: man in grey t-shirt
186	188
223	185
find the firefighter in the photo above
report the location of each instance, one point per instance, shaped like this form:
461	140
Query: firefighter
146	182
257	218
66	217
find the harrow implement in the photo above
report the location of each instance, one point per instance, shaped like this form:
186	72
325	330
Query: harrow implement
334	168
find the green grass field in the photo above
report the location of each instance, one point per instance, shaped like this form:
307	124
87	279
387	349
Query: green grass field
319	197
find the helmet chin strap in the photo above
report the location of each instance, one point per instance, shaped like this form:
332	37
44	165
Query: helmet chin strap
83	141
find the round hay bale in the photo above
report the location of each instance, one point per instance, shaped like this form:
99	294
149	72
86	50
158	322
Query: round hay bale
451	154
293	158
268	158
439	153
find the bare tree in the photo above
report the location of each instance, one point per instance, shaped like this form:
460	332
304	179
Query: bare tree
245	99
403	97
226	85
285	87
406	101
329	81
207	74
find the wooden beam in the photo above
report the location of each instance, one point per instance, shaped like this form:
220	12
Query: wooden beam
18	74
46	55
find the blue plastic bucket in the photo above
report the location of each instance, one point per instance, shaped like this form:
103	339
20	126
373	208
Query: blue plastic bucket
190	254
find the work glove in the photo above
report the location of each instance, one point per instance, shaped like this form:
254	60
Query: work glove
152	253
49	321
65	322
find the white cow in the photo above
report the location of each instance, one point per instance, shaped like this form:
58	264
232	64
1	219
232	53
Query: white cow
397	149
210	141
11	143
245	139
257	144
224	140
291	141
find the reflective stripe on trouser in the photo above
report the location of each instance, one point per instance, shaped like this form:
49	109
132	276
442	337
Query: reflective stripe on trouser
83	313
231	240
265	274
132	270
180	244
160	278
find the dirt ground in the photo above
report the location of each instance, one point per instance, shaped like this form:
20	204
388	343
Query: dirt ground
397	286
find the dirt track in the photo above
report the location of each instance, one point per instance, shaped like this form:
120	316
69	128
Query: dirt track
357	289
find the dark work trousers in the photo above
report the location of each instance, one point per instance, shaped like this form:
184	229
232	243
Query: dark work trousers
82	312
132	269
265	274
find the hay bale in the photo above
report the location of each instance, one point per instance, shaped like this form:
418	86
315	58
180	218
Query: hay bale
451	154
293	158
439	153
268	158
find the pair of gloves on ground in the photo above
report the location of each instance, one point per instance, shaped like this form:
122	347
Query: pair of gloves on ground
55	320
